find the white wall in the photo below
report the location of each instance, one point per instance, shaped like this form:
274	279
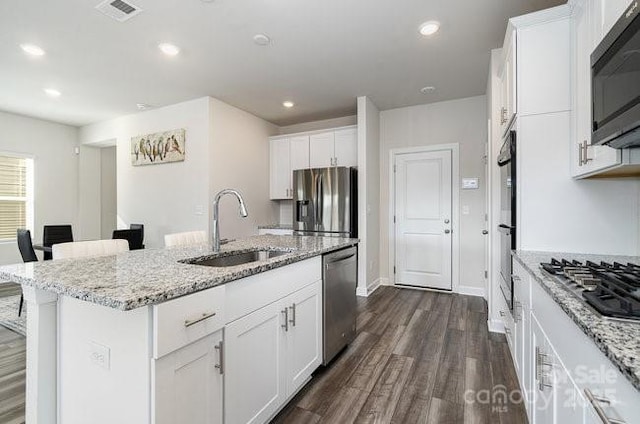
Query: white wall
462	121
368	195
240	160
55	168
108	191
169	197
225	148
320	125
89	197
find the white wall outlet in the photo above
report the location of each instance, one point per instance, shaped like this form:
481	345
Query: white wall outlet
465	210
199	210
100	355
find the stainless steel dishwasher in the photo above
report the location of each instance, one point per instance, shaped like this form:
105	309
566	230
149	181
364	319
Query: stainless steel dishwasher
340	278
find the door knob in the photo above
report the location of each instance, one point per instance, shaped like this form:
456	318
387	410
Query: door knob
446	221
485	232
447	231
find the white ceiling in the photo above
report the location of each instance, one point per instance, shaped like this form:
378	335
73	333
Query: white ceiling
324	53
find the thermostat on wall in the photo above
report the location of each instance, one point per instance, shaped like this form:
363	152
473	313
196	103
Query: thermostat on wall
470	183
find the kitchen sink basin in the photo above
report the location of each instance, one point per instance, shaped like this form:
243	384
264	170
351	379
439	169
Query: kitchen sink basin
238	258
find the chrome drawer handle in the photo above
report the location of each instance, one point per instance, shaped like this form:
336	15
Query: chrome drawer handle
293	315
596	401
220	366
285	311
204	316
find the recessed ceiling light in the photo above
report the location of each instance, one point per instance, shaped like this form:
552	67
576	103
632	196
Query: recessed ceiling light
427	89
261	39
32	49
52	92
169	49
429	28
288	104
143	106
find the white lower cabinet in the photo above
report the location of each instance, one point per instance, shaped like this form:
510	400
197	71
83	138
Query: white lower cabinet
270	353
188	383
564	375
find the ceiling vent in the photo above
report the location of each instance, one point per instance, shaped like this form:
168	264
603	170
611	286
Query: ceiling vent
119	10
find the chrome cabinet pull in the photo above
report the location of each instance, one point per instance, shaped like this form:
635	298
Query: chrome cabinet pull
285	311
293	315
596	402
540	375
586	159
189	323
580	158
220	365
517	317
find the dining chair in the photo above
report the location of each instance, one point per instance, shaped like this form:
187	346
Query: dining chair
134	237
139	227
80	249
53	234
185	239
25	246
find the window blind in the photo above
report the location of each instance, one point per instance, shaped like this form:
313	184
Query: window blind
13	195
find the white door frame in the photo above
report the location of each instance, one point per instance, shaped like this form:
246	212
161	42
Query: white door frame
454	148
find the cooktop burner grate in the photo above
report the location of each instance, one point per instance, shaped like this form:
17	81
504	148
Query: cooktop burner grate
613	290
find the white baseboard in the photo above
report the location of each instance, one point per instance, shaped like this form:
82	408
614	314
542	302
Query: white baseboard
471	291
495	325
366	291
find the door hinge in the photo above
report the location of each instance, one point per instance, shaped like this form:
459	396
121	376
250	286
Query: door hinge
394	269
394	168
394	219
486	274
486	217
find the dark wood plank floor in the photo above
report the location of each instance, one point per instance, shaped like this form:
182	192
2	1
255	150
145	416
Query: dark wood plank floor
419	357
12	376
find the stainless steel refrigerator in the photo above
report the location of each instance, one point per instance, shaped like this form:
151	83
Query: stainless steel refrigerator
325	202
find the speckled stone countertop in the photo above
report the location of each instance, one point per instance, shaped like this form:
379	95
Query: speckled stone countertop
145	277
620	341
276	227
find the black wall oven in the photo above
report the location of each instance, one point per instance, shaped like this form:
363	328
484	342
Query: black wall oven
507	227
615	83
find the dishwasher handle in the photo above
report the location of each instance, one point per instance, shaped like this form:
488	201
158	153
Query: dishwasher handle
351	253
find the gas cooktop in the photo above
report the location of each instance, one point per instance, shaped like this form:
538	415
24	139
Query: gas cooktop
613	290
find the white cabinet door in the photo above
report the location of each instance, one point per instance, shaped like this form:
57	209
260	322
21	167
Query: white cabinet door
508	90
188	383
255	381
321	149
543	397
280	169
346	147
585	158
299	148
304	335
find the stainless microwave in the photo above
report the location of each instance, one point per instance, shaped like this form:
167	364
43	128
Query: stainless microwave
615	83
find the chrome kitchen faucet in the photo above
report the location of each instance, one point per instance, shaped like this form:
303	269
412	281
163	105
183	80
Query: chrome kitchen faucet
216	200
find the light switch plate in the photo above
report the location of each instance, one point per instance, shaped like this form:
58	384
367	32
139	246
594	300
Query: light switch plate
470	183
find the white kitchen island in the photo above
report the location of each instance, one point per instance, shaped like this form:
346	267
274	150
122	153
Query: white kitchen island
143	337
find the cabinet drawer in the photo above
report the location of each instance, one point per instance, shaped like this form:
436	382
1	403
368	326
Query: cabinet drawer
179	322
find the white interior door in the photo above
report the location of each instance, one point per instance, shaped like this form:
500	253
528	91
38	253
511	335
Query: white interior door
423	219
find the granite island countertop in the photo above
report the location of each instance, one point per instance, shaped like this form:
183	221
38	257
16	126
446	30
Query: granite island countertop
146	277
619	341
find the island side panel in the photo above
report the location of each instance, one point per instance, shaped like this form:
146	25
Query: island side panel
104	366
41	393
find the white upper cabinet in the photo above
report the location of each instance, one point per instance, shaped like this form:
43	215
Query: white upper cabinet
508	86
334	148
587	30
286	155
299	151
280	168
321	149
346	147
337	147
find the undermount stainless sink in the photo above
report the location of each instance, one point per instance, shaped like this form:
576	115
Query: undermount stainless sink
238	258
